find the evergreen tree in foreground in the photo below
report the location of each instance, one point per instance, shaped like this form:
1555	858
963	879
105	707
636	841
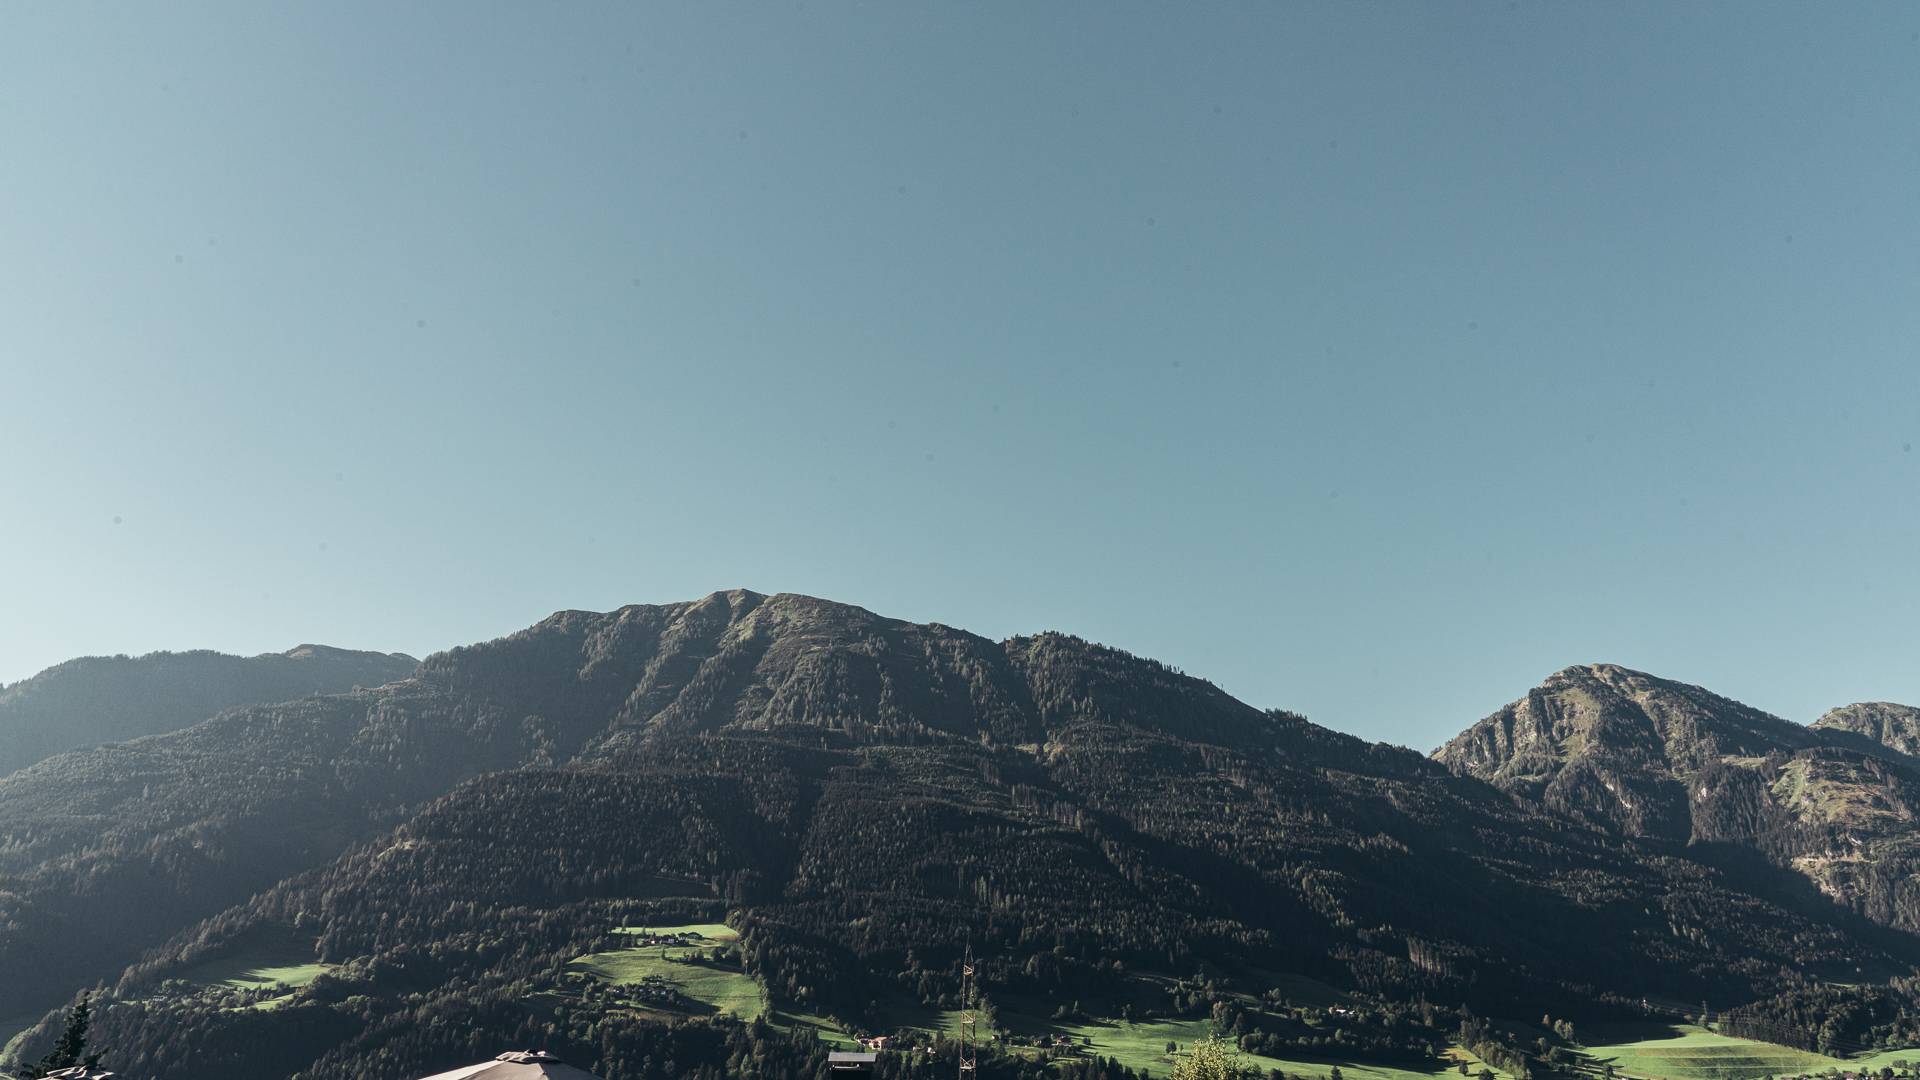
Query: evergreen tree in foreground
71	1050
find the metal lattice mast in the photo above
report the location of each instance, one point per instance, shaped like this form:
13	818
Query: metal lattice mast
969	1017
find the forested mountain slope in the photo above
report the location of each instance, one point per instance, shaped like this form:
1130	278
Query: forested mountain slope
1837	802
858	796
854	868
136	840
102	699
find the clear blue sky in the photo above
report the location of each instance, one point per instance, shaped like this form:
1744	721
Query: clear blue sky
1373	360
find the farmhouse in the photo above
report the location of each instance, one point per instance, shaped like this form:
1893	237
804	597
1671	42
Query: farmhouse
851	1065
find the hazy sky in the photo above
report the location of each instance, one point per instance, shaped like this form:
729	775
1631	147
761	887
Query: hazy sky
1372	360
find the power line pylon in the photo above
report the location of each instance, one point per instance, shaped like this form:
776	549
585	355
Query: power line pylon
969	1017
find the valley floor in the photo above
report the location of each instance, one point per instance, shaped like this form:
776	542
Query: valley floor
664	975
665	965
693	971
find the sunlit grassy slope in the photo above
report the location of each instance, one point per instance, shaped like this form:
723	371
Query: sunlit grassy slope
714	933
1693	1053
1144	1046
727	990
275	960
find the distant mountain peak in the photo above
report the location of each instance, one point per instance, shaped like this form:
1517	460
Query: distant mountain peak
1887	723
1600	670
1624	679
310	651
1617	744
102	699
1647	756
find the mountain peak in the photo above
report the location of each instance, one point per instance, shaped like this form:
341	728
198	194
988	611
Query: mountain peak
1617	744
1618	676
311	651
1887	723
1598	670
738	659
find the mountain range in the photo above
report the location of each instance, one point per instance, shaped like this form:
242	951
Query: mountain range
858	798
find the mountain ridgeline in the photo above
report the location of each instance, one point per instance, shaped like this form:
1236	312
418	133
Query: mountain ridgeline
859	796
103	699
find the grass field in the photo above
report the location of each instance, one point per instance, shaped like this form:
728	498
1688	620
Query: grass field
828	1031
283	960
1457	1054
714	933
727	990
1144	1046
1693	1053
1138	1046
1884	1059
279	960
1358	1070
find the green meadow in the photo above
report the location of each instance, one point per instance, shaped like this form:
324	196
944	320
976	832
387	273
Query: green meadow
1694	1053
826	1029
712	933
724	989
269	961
1144	1046
280	961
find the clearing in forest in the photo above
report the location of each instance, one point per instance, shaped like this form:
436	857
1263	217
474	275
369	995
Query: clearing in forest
673	964
281	959
1143	1046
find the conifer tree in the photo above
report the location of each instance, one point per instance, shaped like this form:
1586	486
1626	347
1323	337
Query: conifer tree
71	1050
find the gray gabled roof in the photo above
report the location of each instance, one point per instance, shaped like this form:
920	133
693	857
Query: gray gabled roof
517	1065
